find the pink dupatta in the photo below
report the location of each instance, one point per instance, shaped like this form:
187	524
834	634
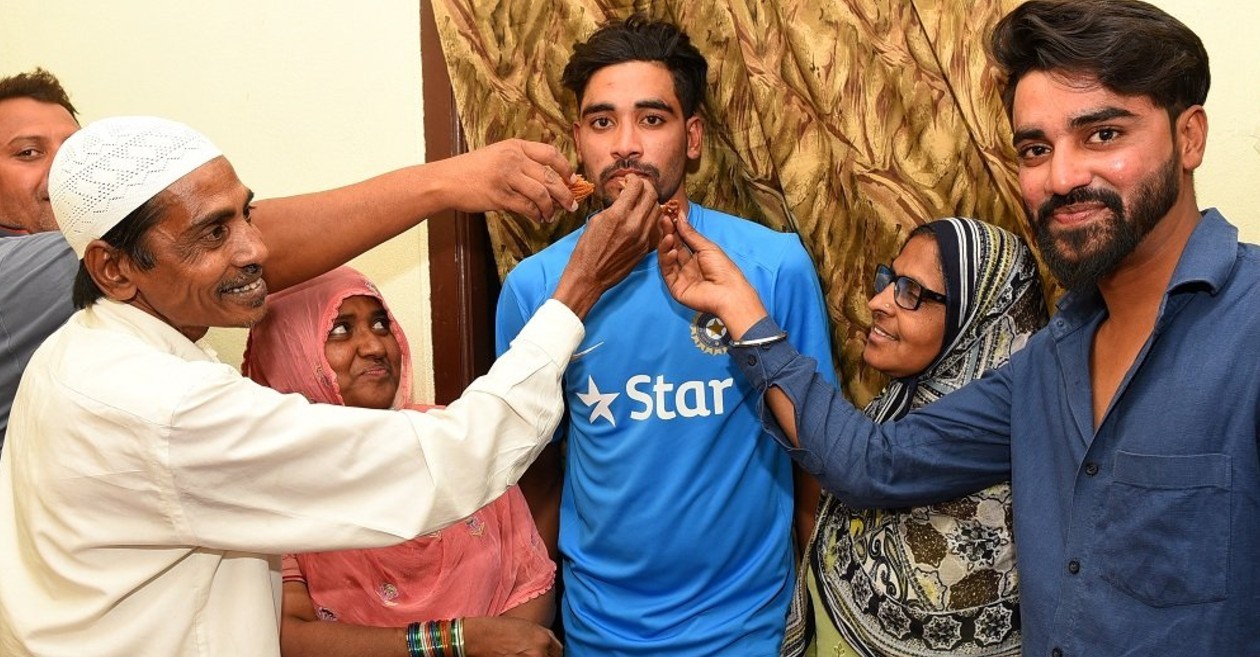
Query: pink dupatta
482	566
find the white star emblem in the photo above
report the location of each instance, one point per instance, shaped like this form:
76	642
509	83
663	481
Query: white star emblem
599	403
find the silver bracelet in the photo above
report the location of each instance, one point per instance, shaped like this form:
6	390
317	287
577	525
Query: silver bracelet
758	342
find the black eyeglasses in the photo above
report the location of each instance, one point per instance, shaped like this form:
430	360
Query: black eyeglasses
908	293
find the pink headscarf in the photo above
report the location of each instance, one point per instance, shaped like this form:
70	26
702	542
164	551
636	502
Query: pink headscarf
285	351
491	562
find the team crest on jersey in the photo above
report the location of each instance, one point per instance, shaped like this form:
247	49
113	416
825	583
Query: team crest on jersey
709	334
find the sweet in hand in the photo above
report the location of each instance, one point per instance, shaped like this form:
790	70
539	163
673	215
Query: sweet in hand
581	187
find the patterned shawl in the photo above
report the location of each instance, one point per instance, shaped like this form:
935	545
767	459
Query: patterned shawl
937	580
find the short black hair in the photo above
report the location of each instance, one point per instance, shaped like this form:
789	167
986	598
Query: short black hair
37	85
1131	47
639	39
128	237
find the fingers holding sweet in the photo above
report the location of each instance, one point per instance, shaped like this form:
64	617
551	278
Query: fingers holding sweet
548	166
558	188
613	242
673	254
691	238
519	176
671	208
646	212
549	156
532	199
580	187
699	275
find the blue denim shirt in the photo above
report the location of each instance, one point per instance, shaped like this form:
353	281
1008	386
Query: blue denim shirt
1140	538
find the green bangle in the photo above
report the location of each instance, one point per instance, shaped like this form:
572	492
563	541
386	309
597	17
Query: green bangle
437	646
413	640
760	342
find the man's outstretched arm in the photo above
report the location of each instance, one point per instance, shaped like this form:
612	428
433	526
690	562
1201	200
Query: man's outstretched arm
310	234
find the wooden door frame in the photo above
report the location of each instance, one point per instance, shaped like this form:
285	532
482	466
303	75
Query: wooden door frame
463	277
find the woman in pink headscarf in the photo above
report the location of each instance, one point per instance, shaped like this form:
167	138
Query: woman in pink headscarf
334	341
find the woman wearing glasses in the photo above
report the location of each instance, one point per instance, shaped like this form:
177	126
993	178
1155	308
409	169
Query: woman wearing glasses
958	300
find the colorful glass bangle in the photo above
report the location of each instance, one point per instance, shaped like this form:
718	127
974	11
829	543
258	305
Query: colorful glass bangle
413	641
457	637
437	638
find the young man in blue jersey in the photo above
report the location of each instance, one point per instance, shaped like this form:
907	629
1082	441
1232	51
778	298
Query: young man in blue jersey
674	514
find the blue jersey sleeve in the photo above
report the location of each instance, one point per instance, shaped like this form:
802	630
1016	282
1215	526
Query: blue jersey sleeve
509	317
799	308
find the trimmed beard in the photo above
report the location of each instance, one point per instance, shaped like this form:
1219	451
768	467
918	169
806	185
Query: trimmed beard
1080	257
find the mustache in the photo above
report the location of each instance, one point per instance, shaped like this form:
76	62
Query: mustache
249	274
1107	197
628	164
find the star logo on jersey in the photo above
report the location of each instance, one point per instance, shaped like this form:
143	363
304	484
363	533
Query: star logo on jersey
600	403
709	334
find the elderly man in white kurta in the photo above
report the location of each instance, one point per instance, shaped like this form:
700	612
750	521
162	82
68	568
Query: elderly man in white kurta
145	486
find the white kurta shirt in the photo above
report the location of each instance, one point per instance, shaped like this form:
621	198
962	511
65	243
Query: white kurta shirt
145	487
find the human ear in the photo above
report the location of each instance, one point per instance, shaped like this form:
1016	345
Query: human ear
110	270
695	137
1191	130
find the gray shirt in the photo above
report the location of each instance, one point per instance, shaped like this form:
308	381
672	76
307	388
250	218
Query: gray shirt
36	277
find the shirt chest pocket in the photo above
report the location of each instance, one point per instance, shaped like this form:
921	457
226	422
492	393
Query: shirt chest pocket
1165	528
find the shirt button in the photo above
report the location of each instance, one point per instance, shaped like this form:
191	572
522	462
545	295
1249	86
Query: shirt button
1074	566
1056	653
1091	469
751	360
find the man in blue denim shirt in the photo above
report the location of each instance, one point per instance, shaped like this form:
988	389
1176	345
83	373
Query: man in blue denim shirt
1128	427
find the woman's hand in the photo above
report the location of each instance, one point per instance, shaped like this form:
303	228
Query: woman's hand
701	276
505	636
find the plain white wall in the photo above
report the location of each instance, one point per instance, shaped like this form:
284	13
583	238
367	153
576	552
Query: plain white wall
1230	176
301	95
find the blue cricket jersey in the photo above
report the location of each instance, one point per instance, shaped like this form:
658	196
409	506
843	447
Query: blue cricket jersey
676	514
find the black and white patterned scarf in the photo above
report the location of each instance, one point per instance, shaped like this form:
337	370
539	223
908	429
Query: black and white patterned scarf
937	580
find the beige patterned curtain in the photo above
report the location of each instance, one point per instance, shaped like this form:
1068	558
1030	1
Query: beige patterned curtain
848	121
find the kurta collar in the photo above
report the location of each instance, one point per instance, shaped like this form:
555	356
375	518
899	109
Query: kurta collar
107	313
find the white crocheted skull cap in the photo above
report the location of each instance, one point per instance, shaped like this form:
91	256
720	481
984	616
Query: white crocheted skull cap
112	166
